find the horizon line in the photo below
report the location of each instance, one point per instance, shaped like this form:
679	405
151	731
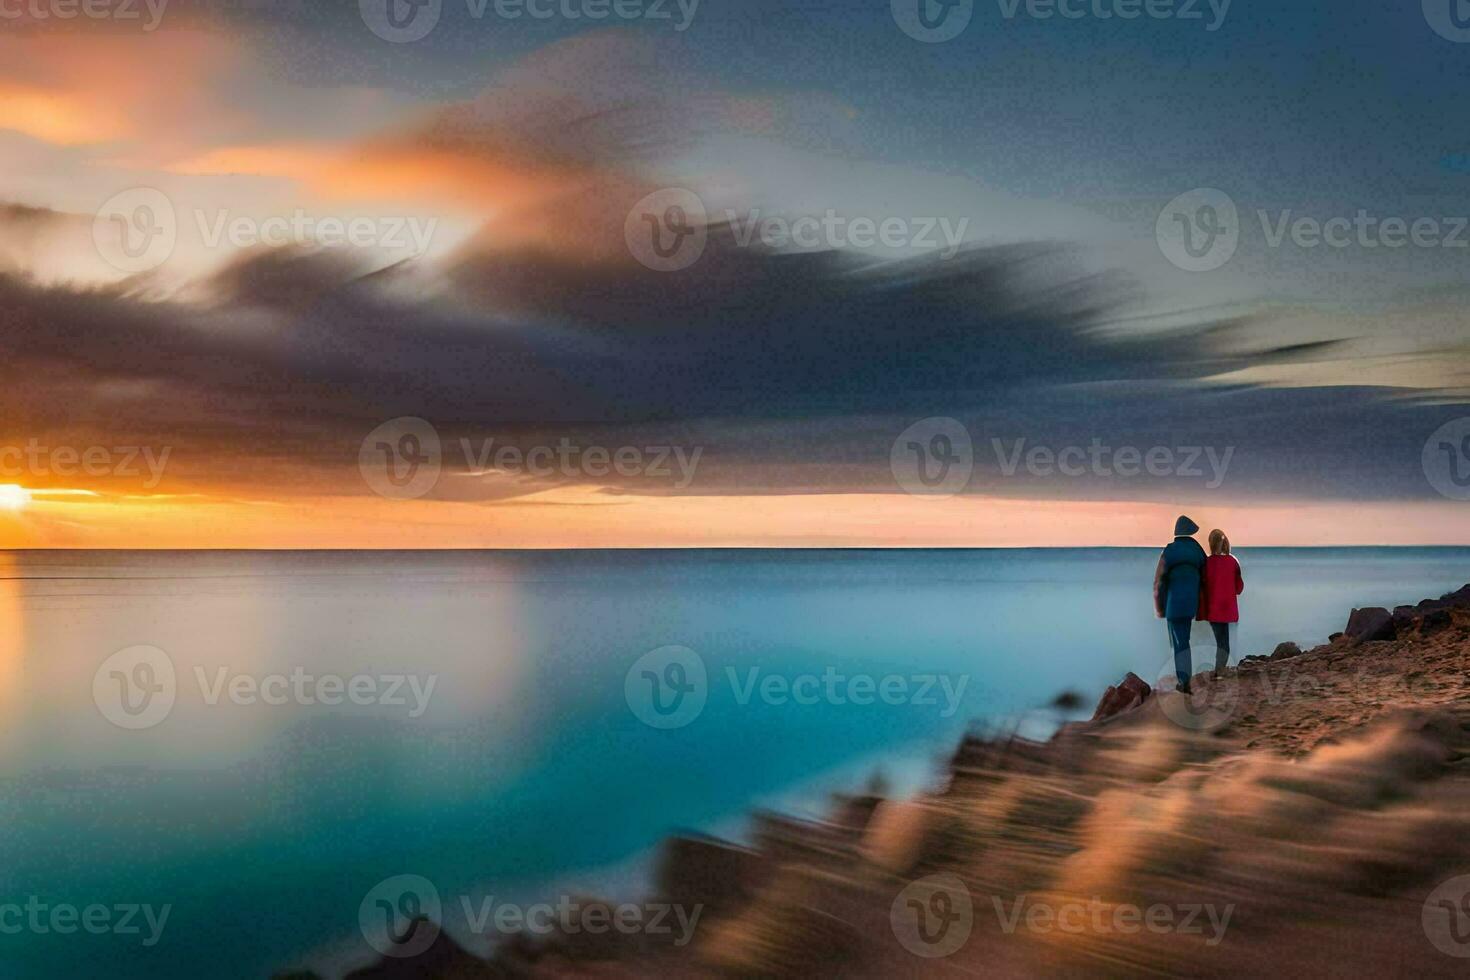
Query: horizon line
662	548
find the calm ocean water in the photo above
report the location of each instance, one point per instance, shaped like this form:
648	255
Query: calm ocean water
527	770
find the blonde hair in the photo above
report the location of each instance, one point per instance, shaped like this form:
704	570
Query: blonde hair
1219	543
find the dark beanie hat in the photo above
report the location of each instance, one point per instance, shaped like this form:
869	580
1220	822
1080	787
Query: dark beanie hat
1184	526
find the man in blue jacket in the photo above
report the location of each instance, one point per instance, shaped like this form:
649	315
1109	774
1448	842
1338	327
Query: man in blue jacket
1177	583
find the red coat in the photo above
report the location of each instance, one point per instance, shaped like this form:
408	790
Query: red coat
1222	583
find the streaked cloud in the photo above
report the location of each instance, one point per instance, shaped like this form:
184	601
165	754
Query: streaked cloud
262	369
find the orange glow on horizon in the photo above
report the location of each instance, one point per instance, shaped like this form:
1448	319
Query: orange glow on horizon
588	518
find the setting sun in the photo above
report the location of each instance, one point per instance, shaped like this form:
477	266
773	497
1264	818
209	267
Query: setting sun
13	496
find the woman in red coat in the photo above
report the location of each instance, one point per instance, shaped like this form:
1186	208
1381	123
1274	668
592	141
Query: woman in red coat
1222	583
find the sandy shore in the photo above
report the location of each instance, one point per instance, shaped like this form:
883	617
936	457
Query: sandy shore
1308	814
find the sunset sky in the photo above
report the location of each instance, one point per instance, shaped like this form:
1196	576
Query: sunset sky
270	279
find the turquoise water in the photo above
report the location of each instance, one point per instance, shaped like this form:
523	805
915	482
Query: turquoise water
526	770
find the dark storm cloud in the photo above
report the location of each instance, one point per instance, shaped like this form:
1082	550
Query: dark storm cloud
794	371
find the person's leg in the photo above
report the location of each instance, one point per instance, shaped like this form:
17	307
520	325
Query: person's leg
1179	637
1222	646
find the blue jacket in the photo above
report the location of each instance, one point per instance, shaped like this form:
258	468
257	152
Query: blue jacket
1177	579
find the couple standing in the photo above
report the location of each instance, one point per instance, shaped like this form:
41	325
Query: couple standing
1189	586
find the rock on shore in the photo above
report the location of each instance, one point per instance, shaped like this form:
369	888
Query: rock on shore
1130	692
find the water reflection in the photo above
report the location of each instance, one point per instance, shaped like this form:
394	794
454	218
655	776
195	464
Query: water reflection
526	769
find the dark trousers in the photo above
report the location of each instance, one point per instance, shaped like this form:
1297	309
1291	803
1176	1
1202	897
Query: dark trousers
1222	645
1179	638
